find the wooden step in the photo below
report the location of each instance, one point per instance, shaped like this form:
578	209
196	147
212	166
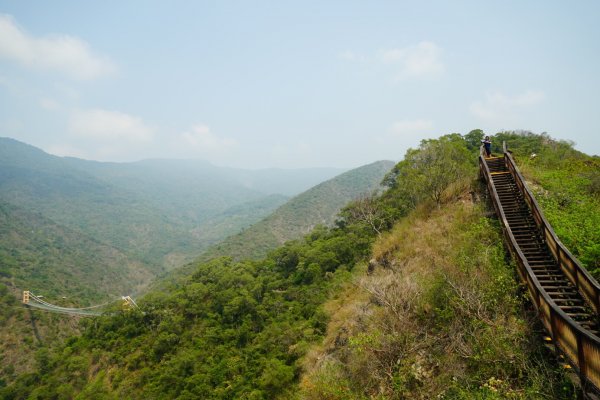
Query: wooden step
566	301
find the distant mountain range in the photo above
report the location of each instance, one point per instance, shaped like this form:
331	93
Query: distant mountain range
130	222
298	216
83	232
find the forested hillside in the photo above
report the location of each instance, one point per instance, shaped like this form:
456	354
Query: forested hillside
209	203
442	314
317	206
437	313
45	257
80	232
155	216
39	255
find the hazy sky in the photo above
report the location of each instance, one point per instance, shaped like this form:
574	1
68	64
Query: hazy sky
293	83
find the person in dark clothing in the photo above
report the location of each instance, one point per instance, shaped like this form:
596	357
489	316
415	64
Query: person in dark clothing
487	145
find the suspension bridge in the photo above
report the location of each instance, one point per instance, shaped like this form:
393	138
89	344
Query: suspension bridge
31	300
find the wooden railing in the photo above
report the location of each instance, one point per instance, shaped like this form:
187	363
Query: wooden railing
576	273
580	347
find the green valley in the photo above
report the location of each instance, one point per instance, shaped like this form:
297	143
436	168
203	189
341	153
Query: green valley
80	233
409	294
297	217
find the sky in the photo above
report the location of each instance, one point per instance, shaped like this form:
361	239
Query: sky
293	84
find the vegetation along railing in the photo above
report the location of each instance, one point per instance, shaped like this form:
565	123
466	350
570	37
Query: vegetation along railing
566	296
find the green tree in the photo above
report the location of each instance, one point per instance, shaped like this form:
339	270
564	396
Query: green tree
473	139
428	171
276	376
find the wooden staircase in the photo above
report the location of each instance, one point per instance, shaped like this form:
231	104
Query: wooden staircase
533	246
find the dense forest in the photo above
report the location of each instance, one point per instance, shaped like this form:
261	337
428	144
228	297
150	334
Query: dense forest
73	231
408	295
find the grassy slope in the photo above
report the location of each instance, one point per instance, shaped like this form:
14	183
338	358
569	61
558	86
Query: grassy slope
444	318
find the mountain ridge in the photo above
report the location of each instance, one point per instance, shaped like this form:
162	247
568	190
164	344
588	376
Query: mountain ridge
83	232
157	211
409	295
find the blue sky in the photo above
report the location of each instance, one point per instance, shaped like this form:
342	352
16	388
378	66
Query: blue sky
293	84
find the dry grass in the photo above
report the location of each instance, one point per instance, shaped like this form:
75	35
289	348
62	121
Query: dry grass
349	311
439	315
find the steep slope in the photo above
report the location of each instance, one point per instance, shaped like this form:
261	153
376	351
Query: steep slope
47	258
438	316
65	267
441	314
566	184
301	214
162	212
46	184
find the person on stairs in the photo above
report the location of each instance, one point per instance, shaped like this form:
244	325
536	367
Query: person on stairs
487	145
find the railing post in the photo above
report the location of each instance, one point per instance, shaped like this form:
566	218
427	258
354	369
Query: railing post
581	357
553	328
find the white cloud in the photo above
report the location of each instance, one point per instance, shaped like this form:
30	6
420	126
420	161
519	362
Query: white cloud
107	125
67	54
202	139
498	106
419	61
414	127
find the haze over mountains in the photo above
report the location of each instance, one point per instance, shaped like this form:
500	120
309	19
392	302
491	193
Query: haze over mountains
134	221
297	217
83	232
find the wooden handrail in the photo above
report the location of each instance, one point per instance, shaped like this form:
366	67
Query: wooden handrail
577	274
580	347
